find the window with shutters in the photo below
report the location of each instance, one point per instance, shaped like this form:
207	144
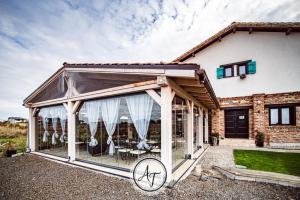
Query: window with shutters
241	68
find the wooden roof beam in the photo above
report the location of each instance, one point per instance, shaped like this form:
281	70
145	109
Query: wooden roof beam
179	90
187	82
195	89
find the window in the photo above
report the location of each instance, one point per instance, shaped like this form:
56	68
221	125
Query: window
242	69
282	115
228	71
285	116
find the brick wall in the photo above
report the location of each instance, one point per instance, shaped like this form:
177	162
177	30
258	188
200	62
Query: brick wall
218	122
259	116
281	133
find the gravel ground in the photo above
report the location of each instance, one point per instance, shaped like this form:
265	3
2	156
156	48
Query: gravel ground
221	156
32	177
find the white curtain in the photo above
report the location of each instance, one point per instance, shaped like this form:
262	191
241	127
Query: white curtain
54	112
54	134
92	110
63	116
45	114
110	110
140	109
57	112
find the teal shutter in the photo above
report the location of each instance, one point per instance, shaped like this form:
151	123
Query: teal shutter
219	73
252	67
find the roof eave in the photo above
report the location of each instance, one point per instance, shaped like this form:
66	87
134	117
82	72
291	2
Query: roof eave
204	78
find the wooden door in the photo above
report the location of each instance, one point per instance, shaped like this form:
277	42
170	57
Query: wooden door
237	123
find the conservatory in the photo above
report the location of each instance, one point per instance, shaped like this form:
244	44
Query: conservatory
108	116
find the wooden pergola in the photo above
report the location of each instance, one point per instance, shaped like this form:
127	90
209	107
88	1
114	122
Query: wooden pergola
161	81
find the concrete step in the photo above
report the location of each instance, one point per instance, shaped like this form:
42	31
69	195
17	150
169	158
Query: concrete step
237	142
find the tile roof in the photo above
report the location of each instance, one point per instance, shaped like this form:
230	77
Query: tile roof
160	65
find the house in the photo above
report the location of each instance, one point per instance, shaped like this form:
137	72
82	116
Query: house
15	120
254	69
107	116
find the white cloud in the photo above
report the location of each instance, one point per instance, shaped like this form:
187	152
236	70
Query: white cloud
37	37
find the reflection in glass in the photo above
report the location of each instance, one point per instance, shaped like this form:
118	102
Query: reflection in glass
274	115
228	72
51	130
179	130
128	128
242	69
196	128
285	115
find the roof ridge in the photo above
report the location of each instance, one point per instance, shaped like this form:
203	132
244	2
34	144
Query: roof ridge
65	64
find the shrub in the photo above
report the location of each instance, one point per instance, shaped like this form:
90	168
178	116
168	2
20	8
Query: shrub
259	139
214	134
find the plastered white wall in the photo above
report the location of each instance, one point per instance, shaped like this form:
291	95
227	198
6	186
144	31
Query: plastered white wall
277	59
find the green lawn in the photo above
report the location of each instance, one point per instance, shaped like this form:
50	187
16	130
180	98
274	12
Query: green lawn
285	163
19	142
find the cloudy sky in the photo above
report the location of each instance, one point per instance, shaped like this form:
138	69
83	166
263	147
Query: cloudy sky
36	37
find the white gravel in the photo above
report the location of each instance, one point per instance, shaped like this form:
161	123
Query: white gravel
221	156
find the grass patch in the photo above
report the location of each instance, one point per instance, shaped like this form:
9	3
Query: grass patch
280	162
19	142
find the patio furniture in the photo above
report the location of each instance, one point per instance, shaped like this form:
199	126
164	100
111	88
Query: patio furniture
124	152
155	151
117	148
137	153
96	150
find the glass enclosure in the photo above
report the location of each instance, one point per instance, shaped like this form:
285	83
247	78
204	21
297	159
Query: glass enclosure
116	131
119	130
179	130
196	129
51	130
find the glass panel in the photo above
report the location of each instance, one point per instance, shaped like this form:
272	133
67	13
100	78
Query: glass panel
196	128
242	70
179	129
125	137
52	130
274	116
285	115
56	89
228	72
203	124
84	82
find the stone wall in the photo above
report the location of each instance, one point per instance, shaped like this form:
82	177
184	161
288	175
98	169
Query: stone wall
259	116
